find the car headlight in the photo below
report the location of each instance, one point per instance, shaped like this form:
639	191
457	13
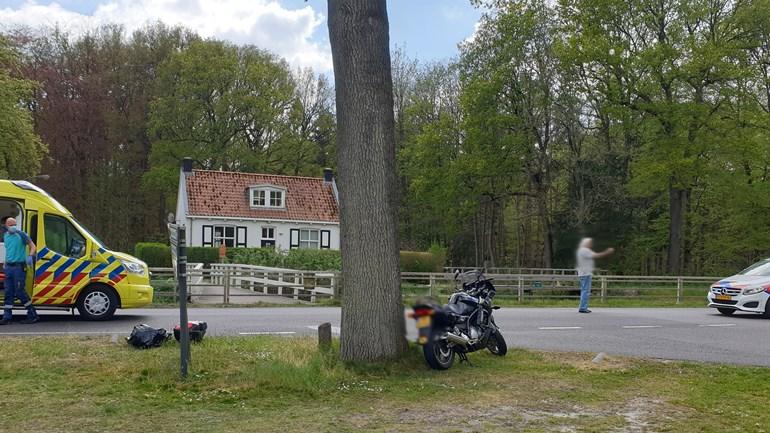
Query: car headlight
133	267
753	290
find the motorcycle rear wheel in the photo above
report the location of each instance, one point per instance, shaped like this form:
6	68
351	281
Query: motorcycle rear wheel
496	344
438	354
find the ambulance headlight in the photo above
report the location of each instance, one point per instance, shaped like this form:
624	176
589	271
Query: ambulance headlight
753	290
133	267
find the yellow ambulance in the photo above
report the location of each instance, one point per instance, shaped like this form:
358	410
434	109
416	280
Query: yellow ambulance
73	268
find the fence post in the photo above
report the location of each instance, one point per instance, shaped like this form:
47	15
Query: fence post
678	290
226	291
520	290
431	283
333	284
604	287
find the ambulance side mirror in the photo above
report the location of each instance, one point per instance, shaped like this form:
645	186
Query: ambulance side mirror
77	249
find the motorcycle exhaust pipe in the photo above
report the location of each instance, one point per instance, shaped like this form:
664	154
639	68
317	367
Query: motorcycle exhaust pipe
457	339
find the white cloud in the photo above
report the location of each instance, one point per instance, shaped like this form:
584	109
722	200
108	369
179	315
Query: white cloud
264	23
472	37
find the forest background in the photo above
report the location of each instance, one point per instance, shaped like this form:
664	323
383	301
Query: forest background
642	123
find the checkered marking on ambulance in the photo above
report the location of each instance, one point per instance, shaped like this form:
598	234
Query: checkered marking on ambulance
62	277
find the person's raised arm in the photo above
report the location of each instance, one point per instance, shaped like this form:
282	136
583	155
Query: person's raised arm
604	253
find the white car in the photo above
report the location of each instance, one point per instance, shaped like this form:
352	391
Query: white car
749	291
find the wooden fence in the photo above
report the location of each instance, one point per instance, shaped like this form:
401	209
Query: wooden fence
244	284
564	286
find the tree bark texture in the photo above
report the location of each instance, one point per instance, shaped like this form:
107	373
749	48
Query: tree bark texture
373	325
677	208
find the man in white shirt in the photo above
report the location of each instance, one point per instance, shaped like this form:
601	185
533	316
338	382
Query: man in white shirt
585	269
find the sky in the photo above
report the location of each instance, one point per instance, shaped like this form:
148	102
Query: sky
428	30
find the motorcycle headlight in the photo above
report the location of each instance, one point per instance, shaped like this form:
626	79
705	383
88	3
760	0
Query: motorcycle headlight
753	290
133	267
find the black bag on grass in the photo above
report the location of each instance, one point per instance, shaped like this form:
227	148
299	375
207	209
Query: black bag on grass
197	331
145	336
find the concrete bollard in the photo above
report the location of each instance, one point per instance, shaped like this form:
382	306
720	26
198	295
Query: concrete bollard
325	336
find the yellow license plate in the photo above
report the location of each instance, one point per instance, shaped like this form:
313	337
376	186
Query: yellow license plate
423	322
724	298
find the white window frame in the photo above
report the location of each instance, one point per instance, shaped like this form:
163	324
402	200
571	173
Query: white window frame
306	243
218	240
265	194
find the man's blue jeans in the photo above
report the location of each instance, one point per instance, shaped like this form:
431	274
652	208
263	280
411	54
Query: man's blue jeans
585	291
15	279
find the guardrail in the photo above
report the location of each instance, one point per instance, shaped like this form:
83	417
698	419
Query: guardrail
242	284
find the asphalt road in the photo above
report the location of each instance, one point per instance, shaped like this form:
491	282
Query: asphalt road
697	334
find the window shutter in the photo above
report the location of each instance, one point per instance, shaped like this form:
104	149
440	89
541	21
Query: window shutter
294	238
240	237
208	236
325	239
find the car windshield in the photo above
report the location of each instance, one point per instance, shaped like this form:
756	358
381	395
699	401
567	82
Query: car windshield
759	269
97	240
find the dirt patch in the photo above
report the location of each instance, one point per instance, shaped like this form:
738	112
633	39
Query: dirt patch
585	361
638	415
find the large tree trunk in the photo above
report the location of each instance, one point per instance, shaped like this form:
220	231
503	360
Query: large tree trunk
677	207
373	325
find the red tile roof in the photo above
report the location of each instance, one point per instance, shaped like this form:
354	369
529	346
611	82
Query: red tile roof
226	194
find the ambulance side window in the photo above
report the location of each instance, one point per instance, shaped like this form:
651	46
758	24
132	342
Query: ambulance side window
61	236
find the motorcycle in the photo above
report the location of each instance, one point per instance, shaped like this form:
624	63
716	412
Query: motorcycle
464	325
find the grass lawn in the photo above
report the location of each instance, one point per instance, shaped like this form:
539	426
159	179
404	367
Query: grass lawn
272	384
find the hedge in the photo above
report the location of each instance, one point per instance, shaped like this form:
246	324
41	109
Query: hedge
313	260
301	259
329	260
255	256
418	261
155	254
159	255
205	255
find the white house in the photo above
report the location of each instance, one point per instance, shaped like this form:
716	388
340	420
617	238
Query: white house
258	210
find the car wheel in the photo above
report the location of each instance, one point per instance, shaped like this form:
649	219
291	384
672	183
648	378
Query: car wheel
726	311
97	303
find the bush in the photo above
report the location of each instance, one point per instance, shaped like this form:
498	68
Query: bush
156	255
314	260
255	256
418	261
300	259
205	255
439	254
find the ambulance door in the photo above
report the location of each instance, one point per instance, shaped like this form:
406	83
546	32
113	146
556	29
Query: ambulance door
31	224
63	266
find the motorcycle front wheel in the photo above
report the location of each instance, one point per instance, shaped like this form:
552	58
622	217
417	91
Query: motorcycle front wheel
438	354
496	344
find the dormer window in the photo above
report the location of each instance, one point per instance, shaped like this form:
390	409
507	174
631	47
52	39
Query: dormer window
268	197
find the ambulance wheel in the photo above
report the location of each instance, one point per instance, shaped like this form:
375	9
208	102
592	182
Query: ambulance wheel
726	311
766	314
97	303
